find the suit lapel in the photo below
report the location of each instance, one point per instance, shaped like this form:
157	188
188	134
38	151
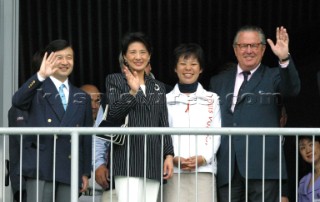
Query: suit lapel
152	92
231	78
253	82
51	94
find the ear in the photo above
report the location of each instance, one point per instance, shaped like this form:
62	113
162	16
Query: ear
201	70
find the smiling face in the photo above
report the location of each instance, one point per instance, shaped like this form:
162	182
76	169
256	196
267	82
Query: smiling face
137	56
188	70
64	64
249	49
305	148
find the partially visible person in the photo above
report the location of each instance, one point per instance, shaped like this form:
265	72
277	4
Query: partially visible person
190	105
96	100
306	192
19	118
99	161
148	71
16	118
52	101
283	116
143	99
249	95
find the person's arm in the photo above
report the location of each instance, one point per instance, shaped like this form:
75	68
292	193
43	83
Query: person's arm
87	145
289	83
167	141
216	123
23	97
119	99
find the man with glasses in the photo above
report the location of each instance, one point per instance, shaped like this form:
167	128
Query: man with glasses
249	97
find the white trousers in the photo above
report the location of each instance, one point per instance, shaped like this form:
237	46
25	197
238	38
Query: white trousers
136	191
106	196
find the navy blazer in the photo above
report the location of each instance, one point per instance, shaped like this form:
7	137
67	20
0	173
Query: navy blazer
258	107
16	118
42	102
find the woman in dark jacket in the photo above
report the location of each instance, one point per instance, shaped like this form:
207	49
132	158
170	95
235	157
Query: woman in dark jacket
143	99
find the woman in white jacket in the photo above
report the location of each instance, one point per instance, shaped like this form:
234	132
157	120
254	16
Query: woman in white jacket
190	105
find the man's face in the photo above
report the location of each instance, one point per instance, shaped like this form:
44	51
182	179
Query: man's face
95	104
249	50
64	64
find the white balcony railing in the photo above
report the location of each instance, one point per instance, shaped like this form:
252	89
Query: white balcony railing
75	132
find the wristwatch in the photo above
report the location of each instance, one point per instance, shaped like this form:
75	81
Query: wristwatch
286	59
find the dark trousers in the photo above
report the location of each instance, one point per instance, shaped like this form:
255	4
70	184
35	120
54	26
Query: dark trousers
238	190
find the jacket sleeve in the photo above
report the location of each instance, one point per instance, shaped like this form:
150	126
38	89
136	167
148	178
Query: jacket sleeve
22	99
290	84
87	140
168	145
118	97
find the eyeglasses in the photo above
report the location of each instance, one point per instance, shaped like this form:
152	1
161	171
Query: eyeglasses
253	46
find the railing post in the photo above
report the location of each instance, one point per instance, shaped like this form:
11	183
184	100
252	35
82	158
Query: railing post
74	166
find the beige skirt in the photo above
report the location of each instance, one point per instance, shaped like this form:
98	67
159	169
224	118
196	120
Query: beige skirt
204	189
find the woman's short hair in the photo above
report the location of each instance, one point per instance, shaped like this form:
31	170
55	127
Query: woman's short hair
309	137
135	37
189	50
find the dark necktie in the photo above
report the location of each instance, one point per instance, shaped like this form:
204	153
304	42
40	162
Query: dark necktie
244	83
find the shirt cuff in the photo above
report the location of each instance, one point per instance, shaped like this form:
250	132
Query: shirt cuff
284	65
98	164
40	77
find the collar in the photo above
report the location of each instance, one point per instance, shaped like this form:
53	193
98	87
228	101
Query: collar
239	70
58	83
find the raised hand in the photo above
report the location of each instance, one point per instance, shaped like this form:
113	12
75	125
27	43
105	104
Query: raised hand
132	79
281	47
48	65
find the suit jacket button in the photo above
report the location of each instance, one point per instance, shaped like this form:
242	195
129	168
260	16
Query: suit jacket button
49	120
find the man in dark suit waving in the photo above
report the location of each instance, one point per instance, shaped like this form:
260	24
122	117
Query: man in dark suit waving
249	97
52	101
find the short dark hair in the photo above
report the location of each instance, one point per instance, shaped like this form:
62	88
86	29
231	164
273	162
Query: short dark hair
36	61
309	137
135	37
189	50
57	45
